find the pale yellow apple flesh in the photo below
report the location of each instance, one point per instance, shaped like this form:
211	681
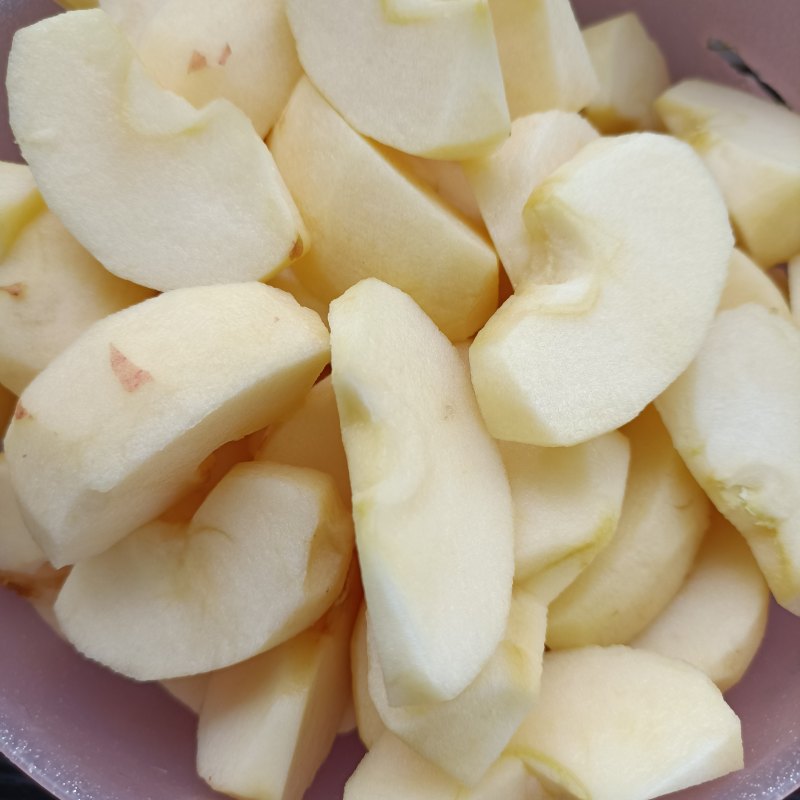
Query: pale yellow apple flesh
794	287
19	553
288	281
435	539
748	283
20	202
664	517
370	217
153	390
368	720
190	690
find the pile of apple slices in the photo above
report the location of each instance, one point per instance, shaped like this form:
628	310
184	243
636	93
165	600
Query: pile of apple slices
525	532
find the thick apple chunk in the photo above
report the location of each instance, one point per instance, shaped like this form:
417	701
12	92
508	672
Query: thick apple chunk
20	202
504	180
735	419
717	619
631	71
263	558
18	551
567	503
544	59
51	291
621	724
370	217
160	193
267	725
424	79
110	434
631	244
664	517
752	147
240	50
466	735
748	283
431	502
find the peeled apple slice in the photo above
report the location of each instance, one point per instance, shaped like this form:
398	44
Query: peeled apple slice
152	391
752	147
20	202
161	193
717	620
735	419
631	244
422	77
262	559
748	283
431	501
621	724
664	517
466	735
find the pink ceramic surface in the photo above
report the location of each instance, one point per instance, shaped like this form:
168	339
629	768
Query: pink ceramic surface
86	734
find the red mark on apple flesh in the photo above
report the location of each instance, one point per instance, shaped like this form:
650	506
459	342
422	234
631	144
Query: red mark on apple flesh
225	55
14	289
128	374
20	412
197	61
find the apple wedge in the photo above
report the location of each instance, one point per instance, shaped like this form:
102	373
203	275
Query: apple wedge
393	771
567	504
51	291
664	517
752	147
19	553
616	307
240	50
717	620
311	437
748	283
503	181
369	216
262	559
20	202
631	72
466	735
422	77
368	720
151	391
267	725
543	56
161	193
434	536
733	416
621	724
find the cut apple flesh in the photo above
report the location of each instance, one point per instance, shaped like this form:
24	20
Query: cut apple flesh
368	720
18	551
160	193
608	295
748	283
154	389
20	202
263	558
435	540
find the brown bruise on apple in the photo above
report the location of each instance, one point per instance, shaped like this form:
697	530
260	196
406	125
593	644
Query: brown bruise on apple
14	289
45	582
197	61
297	249
20	412
128	374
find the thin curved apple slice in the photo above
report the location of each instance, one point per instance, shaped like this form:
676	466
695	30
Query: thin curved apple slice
262	559
161	193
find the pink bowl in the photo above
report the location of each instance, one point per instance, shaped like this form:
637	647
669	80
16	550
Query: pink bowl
87	734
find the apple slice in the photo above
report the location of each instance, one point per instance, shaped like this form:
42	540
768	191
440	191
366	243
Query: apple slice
51	291
189	691
393	771
267	725
19	553
422	77
631	71
733	416
263	558
625	287
717	620
20	202
567	503
435	538
504	180
544	59
664	517
794	287
160	193
288	281
368	720
748	283
370	217
752	147
311	437
151	391
621	724
466	735
239	50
